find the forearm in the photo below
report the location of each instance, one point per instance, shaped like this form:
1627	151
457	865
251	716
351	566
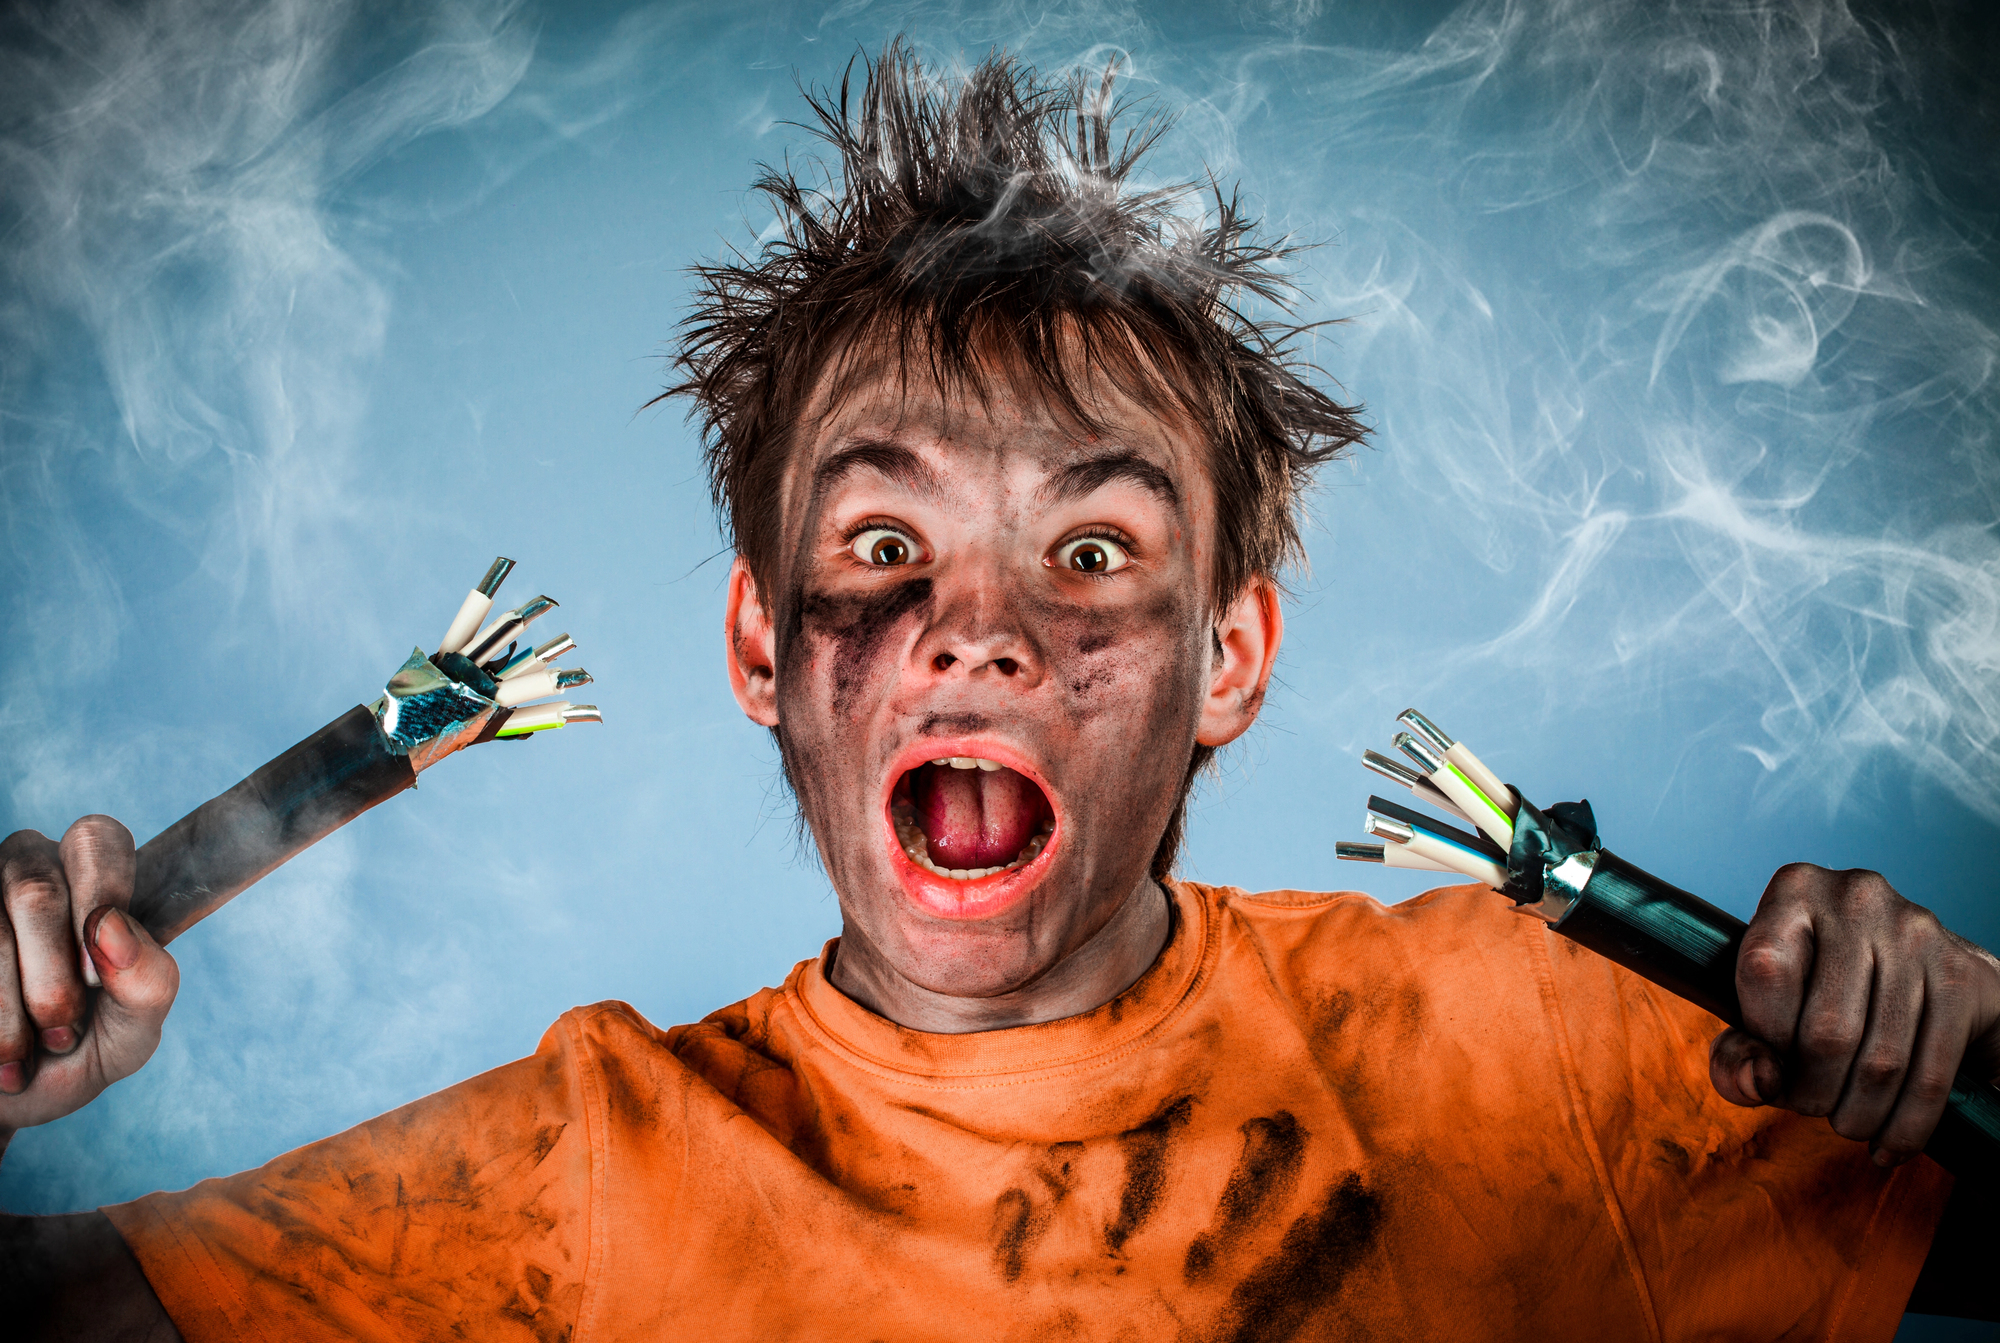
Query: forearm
72	1278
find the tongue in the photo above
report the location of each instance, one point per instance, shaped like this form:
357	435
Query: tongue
977	818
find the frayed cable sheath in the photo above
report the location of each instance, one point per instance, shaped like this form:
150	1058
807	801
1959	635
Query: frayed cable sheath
432	707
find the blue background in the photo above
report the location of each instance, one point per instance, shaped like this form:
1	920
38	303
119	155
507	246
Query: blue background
1676	322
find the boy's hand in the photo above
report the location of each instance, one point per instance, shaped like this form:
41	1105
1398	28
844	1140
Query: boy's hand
61	1043
1859	1006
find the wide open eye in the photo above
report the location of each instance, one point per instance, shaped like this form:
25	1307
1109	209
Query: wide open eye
1090	555
883	547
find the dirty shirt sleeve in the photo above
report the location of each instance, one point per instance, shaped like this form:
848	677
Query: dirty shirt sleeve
1741	1223
465	1214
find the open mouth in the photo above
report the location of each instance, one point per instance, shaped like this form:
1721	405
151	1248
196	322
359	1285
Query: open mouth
964	817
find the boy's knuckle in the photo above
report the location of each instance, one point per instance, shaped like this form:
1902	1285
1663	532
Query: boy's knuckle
61	1005
1880	1068
1828	1037
99	843
100	827
36	897
17	1038
1765	964
1793	883
1928	1086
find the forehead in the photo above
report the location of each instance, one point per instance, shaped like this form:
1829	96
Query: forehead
996	418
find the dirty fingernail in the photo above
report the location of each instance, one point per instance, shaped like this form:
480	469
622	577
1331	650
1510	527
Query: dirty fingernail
59	1039
13	1077
114	940
1746	1078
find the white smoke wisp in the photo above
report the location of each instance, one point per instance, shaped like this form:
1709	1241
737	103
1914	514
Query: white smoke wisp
197	304
170	167
193	310
1662	309
188	339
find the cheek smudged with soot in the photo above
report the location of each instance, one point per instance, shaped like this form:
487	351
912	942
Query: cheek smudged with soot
1095	651
855	629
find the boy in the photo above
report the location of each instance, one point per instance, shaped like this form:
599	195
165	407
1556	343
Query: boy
1010	485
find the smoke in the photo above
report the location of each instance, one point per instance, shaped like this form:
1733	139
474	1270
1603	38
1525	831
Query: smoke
169	172
1685	349
194	313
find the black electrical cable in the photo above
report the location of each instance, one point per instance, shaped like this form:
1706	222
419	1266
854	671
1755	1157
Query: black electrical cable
429	709
1689	947
199	862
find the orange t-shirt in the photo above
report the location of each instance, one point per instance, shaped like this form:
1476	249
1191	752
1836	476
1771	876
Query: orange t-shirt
1315	1117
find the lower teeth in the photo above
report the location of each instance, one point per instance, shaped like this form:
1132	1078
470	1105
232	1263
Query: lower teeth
912	839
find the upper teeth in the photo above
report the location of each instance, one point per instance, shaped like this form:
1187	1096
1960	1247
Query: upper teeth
967	762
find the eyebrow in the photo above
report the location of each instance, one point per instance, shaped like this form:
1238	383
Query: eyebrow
891	460
1093	473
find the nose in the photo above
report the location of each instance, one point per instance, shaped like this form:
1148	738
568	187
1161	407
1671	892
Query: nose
980	631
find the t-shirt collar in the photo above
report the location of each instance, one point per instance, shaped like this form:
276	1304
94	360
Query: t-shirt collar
1018	1052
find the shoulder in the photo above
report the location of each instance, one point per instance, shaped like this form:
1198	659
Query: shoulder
1455	954
615	1033
614	1027
1466	932
741	1056
1449	918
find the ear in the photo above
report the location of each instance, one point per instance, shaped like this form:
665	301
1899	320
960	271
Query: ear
1249	634
751	648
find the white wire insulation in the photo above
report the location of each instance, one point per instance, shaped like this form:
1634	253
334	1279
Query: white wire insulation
1473	803
1403	856
520	689
470	612
534	718
1456	859
1484	779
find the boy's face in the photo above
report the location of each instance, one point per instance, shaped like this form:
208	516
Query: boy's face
985	583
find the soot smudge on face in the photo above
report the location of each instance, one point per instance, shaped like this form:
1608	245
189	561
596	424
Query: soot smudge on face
1087	647
1273	1149
855	627
1095	638
1148	1150
1311	1264
1140	664
953	724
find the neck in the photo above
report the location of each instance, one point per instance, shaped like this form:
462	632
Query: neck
1090	976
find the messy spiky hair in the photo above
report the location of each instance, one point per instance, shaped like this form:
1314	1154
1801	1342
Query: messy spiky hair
991	227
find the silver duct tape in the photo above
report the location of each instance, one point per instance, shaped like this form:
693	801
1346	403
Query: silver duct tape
1562	887
426	715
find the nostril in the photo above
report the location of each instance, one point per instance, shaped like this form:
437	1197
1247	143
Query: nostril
942	661
1006	666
